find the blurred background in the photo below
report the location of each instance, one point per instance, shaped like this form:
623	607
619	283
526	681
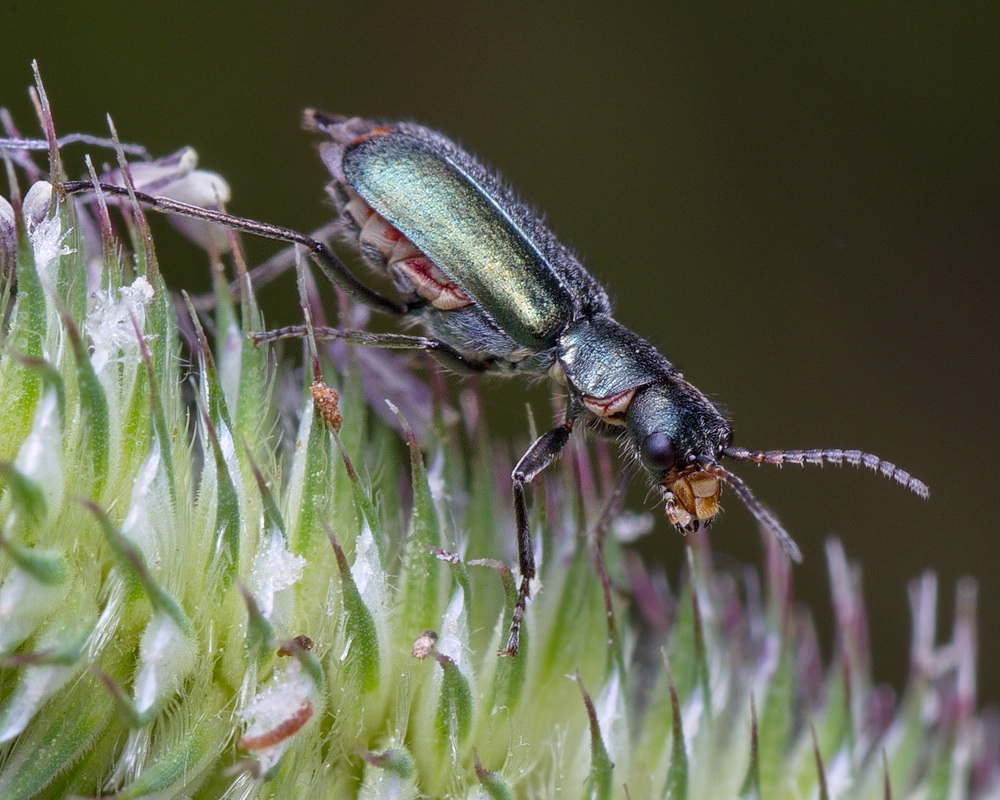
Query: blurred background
798	206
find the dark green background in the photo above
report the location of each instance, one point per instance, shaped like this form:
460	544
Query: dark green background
798	203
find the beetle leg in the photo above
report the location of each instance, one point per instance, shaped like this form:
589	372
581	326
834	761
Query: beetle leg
543	451
332	267
443	352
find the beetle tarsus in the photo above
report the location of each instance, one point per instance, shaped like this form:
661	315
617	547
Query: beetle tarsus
513	640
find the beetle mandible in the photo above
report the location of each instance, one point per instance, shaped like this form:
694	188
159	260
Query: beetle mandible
496	292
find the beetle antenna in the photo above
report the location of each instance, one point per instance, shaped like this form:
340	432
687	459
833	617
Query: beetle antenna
838	457
767	521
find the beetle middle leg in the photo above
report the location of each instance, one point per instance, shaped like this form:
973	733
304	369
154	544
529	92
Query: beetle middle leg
543	451
443	352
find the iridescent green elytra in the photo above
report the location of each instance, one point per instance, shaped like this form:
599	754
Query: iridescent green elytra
449	217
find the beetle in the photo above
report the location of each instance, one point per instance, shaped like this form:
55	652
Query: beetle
496	292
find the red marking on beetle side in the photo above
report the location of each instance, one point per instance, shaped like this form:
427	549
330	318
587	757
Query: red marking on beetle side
281	731
610	408
431	284
379	233
358	210
378	130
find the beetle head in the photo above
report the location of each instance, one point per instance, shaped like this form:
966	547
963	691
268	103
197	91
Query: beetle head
676	431
680	438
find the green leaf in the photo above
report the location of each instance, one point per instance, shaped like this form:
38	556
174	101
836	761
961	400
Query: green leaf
751	784
225	555
133	564
260	638
175	767
676	786
94	405
776	724
496	787
53	745
454	712
313	506
421	570
362	637
395	759
48	567
599	780
27	495
27	333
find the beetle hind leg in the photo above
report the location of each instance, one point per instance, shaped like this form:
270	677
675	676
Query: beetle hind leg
331	266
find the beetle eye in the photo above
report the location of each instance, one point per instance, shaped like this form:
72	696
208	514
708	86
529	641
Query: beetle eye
657	452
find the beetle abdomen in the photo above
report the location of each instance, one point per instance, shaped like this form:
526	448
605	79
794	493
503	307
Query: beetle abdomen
414	272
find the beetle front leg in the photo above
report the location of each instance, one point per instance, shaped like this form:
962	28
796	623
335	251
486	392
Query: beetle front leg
442	351
543	451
